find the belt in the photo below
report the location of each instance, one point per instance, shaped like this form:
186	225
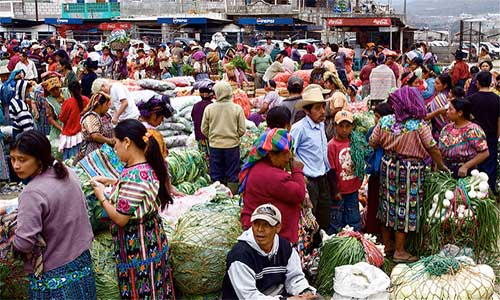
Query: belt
316	178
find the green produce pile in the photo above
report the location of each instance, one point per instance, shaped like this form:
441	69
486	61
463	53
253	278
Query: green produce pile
348	247
364	121
240	63
187	70
103	260
247	140
335	252
359	151
462	212
200	243
13	279
97	216
188	170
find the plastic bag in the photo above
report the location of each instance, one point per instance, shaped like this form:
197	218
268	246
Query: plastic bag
360	281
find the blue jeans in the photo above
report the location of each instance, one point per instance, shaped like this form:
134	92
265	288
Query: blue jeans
345	212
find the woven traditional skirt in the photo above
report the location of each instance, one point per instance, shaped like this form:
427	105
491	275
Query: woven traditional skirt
401	192
74	280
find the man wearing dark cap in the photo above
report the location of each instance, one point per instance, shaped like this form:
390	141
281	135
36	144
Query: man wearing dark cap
205	88
263	265
295	86
14	59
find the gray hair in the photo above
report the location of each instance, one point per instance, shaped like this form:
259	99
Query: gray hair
98	84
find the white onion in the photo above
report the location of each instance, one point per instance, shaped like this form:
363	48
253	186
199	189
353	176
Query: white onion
446	203
449	195
474	172
472	194
484	187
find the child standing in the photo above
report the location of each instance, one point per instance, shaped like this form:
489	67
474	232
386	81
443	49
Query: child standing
344	209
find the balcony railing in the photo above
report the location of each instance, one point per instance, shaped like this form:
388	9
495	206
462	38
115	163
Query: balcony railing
91	10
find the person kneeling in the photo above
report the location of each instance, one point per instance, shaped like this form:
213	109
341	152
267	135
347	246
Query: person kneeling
263	265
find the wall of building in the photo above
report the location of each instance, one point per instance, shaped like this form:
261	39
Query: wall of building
26	9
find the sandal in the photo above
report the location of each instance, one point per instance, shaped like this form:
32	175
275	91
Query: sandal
404	260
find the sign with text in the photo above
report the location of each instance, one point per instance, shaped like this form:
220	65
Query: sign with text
265	21
360	22
59	21
113	26
182	21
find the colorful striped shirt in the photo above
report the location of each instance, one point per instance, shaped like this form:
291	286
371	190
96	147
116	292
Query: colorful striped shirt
462	144
411	138
136	192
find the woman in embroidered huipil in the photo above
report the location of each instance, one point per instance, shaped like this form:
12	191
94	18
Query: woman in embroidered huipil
462	142
133	204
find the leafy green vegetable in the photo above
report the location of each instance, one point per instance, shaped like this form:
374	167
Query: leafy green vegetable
103	260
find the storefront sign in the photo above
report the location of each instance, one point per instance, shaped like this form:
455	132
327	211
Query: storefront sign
369	22
58	21
182	21
388	29
112	26
6	20
265	21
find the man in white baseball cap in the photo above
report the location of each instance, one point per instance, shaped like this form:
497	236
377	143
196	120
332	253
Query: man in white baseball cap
263	265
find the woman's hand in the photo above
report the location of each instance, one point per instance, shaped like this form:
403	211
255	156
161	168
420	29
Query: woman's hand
98	189
104	180
296	164
462	171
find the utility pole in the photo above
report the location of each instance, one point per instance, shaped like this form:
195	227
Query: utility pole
404	10
36	10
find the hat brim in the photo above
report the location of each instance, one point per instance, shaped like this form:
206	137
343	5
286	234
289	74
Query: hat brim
344	119
266	218
302	103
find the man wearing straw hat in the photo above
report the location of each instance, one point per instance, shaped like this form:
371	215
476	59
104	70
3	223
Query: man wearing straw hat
311	149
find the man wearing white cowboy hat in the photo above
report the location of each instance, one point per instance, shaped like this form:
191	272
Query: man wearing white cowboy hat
263	265
4	73
311	148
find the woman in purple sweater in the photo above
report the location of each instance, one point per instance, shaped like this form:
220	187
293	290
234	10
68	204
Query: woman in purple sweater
53	229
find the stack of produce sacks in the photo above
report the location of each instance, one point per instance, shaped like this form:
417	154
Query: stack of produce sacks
176	130
443	277
464	211
201	240
348	247
188	170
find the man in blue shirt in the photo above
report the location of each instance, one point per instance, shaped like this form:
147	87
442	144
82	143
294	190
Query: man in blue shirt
311	149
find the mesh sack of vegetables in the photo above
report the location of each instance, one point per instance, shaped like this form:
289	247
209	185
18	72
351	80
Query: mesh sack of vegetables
348	247
103	260
199	246
462	212
118	39
442	277
186	165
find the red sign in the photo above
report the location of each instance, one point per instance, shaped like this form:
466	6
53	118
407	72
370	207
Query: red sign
112	26
372	22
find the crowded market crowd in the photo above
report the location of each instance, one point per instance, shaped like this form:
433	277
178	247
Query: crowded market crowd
308	163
